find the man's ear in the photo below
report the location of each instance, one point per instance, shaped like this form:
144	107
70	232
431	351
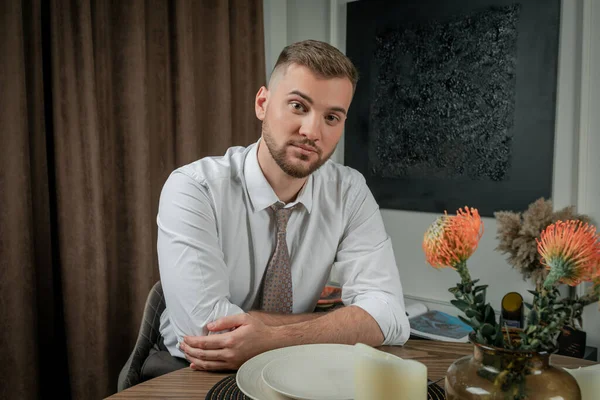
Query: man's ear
260	103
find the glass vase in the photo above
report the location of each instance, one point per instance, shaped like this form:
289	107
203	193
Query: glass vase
494	373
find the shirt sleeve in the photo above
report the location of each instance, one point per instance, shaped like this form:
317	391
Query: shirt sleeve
193	273
367	267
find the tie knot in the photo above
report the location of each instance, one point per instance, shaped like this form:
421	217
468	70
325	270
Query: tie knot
282	216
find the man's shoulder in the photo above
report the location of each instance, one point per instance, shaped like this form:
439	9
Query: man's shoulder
334	172
216	168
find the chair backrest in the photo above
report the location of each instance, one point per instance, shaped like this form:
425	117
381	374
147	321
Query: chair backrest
148	336
155	305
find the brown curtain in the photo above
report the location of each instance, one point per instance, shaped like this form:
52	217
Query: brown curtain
99	102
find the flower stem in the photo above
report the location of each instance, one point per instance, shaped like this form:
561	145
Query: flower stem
463	271
551	279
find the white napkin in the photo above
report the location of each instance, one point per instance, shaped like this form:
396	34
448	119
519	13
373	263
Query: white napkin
588	379
382	376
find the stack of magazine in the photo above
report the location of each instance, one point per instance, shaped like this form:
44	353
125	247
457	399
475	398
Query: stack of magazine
436	325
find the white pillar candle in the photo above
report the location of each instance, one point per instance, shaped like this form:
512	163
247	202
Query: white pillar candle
588	379
382	376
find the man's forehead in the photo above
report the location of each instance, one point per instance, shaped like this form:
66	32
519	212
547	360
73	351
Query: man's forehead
295	78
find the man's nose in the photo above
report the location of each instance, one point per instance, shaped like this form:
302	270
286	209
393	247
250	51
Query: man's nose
311	128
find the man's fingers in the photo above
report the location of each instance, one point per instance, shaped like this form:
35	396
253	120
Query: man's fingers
211	342
229	322
211	366
205	355
218	341
203	365
207	365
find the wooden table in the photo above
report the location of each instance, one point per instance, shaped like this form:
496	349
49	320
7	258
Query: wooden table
437	356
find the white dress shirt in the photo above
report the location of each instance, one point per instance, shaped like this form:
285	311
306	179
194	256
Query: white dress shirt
216	235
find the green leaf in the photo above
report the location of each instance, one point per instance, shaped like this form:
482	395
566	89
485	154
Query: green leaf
499	337
487	330
498	329
466	321
529	305
523	337
460	304
471	322
480	337
529	329
534	293
533	317
489	315
471	313
480	298
479	288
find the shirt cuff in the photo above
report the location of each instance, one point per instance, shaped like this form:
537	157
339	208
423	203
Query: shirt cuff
390	315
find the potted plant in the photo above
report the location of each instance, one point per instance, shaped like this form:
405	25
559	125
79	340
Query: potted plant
512	363
517	235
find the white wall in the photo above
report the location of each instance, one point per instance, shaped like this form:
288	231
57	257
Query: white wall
588	194
289	21
577	148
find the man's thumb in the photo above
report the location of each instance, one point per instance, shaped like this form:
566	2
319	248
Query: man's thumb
227	323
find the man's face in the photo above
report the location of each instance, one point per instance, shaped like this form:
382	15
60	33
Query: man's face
303	118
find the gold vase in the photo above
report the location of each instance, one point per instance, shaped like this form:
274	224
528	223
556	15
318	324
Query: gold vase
494	373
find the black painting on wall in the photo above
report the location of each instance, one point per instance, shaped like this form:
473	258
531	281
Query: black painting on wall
456	102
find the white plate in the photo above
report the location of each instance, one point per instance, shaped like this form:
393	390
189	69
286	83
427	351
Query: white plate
249	376
318	375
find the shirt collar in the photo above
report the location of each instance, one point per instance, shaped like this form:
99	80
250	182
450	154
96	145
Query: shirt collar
261	193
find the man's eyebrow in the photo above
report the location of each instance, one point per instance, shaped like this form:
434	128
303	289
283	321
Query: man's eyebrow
339	109
307	98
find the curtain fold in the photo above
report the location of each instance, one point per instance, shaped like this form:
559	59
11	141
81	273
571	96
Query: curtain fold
99	102
80	195
17	238
32	344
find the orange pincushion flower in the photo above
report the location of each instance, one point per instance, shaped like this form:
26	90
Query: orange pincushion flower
451	240
571	251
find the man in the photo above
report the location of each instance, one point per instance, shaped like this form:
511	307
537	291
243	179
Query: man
247	241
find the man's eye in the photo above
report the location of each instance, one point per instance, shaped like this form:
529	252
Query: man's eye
297	106
332	118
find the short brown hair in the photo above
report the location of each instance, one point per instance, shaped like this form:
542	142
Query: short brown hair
321	58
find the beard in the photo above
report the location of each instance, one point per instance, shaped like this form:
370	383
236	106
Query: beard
279	154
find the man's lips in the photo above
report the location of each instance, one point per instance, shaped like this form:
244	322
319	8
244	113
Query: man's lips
304	147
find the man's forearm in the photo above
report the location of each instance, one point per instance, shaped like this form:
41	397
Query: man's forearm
284	319
348	325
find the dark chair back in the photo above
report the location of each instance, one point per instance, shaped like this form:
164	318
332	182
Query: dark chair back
148	336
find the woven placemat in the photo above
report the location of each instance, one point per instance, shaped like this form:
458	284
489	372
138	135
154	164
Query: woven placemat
227	389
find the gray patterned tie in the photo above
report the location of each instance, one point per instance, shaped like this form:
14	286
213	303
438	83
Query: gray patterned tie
277	286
